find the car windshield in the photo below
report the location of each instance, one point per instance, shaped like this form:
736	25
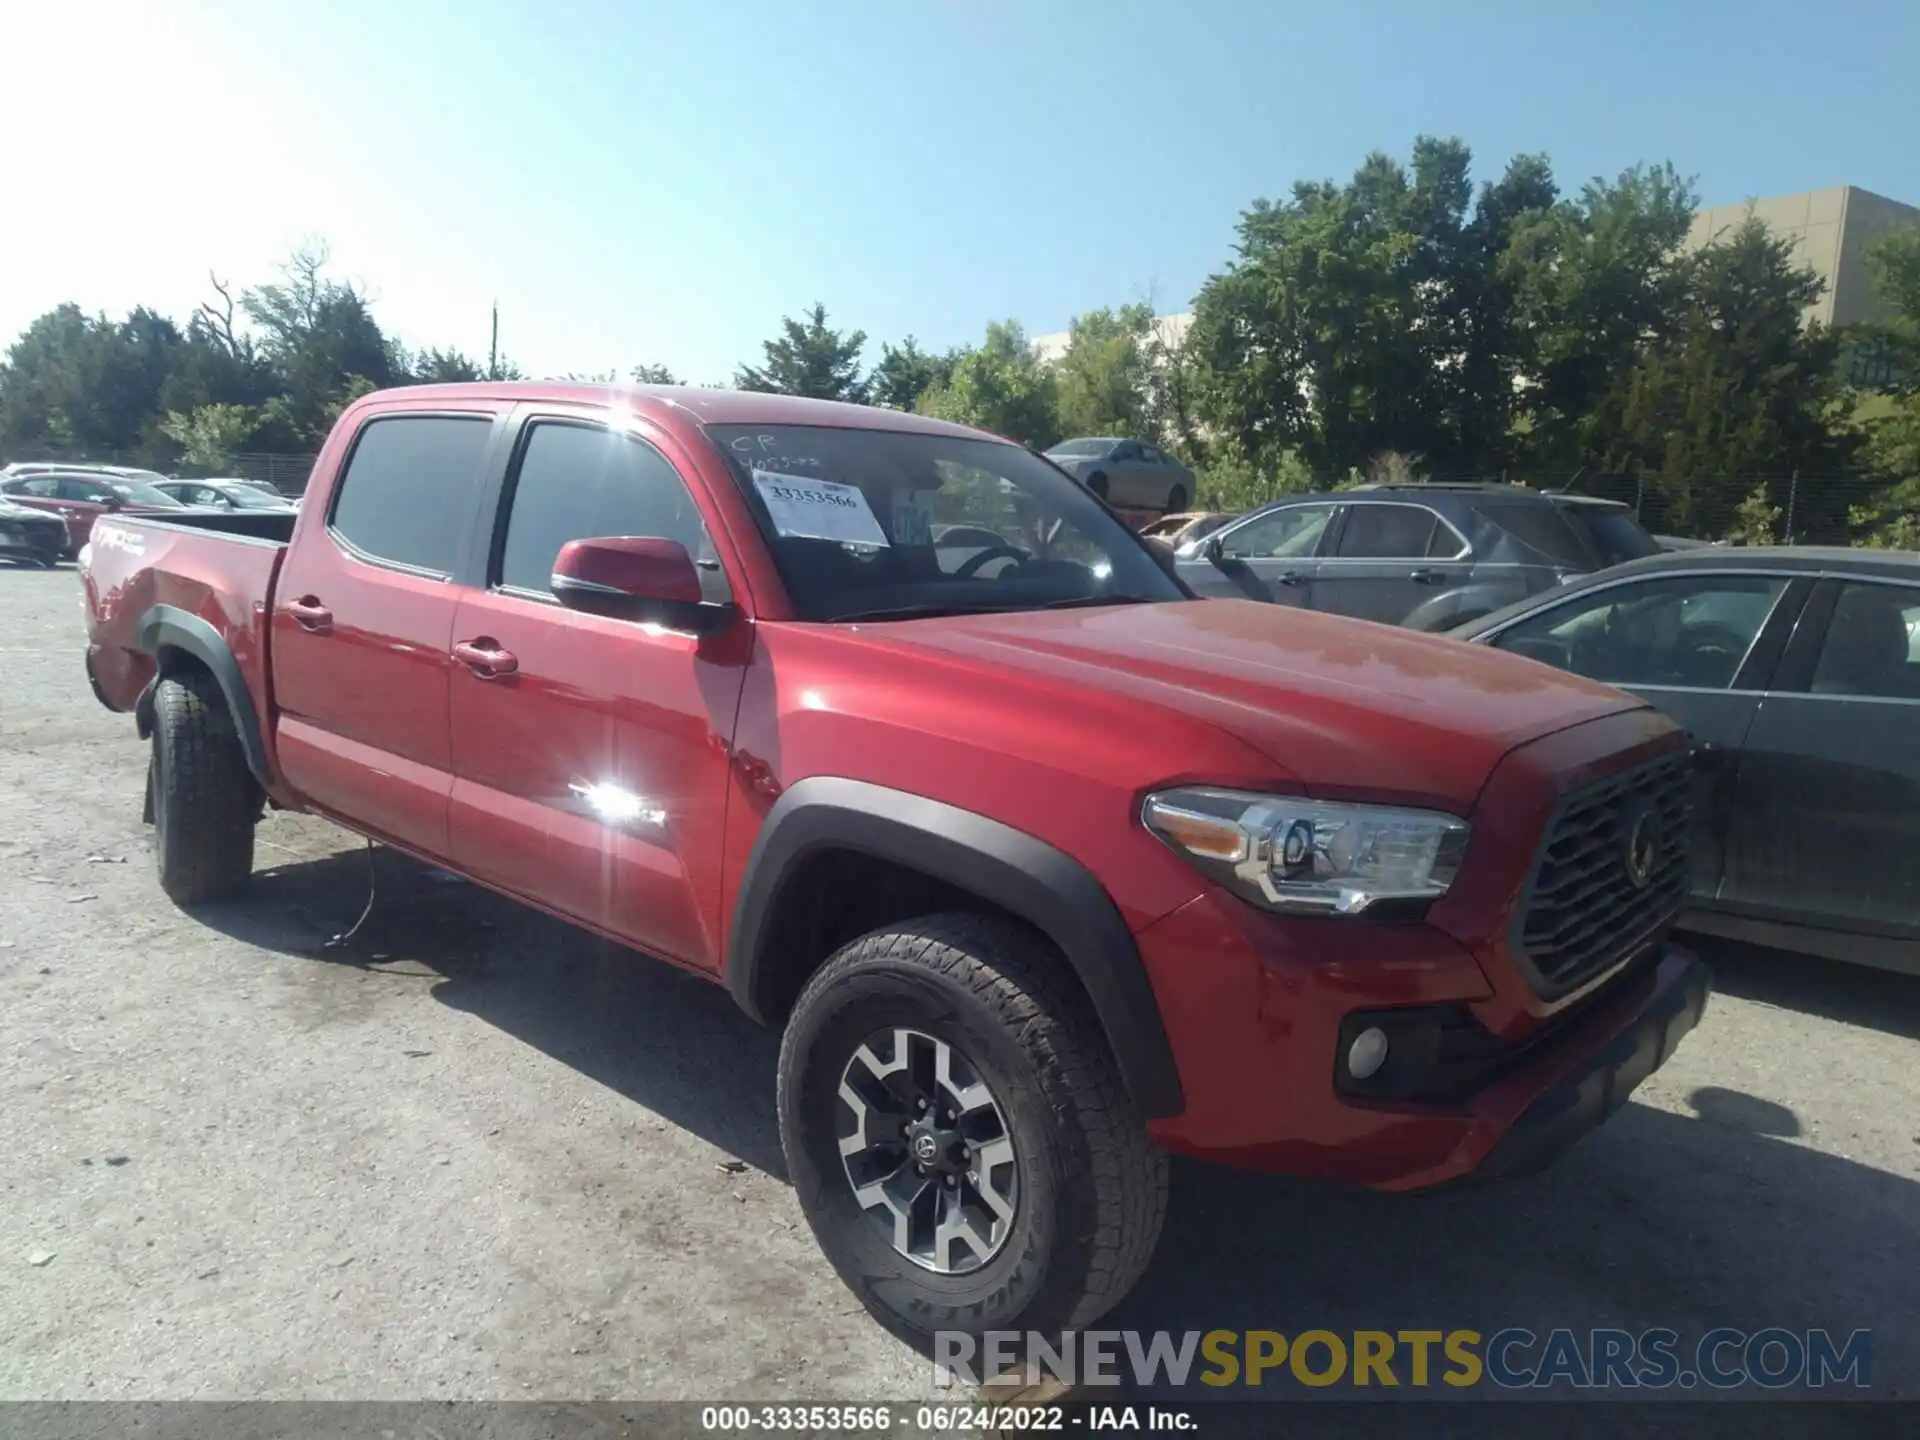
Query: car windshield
857	521
1615	535
1080	449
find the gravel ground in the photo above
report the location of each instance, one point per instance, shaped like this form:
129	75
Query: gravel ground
478	1154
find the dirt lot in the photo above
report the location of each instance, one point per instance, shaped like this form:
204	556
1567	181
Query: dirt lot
480	1154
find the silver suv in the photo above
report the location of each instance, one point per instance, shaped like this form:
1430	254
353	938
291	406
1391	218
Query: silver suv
1426	556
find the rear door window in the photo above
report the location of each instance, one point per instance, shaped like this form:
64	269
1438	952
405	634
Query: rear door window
1390	532
1872	645
410	486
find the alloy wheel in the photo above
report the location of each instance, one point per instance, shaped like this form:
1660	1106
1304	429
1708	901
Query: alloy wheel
927	1150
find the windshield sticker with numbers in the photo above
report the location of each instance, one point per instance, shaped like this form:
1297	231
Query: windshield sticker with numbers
804	508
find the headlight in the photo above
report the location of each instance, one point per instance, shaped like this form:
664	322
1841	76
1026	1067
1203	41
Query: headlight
1310	857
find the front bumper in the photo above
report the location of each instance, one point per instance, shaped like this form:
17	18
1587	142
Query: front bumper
1254	1006
1583	1099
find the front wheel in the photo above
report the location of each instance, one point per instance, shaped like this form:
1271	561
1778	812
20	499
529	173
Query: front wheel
200	794
958	1134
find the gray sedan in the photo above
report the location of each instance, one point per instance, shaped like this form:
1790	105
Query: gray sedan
1797	674
1127	474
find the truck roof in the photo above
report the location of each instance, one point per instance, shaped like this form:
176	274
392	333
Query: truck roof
708	407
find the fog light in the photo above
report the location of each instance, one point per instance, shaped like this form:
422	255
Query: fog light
1367	1053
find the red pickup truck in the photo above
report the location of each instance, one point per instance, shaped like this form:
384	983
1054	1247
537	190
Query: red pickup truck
1044	867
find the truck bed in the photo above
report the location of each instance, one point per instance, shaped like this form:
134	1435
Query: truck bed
152	582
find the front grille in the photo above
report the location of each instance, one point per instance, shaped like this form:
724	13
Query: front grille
1585	907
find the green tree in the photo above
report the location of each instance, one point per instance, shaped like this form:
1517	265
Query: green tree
443	367
1890	514
1756	521
1229	480
654	375
1374	315
1000	387
86	385
319	336
210	436
1593	280
905	374
810	358
1102	383
1740	389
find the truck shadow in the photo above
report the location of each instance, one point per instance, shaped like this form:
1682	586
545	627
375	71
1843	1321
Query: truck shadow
668	1040
1686	1221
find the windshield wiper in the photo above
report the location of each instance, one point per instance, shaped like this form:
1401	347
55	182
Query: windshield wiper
929	612
1078	601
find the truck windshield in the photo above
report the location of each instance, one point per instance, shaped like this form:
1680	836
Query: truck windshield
886	524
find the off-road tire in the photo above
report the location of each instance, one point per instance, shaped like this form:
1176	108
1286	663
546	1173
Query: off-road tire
203	798
1093	1187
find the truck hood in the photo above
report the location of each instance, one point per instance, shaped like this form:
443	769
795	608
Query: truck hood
1343	706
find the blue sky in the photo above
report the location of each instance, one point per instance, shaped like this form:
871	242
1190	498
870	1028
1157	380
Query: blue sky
655	182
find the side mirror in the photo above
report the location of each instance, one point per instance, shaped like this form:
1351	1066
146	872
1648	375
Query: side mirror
1214	548
635	577
112	503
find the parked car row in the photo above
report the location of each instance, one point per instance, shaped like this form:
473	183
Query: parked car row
1426	556
74	497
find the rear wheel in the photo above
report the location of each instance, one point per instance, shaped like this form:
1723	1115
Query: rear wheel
958	1134
201	795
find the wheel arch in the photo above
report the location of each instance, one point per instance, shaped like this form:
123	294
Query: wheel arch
176	637
1457	606
957	851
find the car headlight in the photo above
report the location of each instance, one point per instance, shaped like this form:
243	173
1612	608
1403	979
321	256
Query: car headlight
1310	857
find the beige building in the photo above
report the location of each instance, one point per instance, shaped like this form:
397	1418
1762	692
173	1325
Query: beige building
1831	232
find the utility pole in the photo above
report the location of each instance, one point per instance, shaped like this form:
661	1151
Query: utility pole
493	346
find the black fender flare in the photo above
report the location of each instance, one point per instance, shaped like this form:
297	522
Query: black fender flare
167	627
1009	868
